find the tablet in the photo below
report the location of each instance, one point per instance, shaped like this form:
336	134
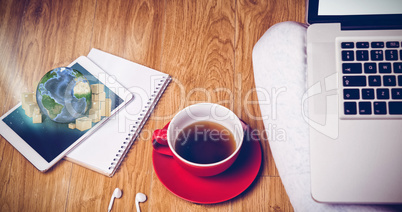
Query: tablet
46	141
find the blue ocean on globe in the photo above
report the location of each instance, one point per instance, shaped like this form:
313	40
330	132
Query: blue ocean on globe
63	95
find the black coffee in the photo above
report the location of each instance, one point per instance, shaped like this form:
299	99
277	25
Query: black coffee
205	142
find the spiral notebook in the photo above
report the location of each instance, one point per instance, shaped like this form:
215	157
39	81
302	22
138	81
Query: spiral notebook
104	150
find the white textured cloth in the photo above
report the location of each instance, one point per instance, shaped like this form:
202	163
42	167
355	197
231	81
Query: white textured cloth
279	63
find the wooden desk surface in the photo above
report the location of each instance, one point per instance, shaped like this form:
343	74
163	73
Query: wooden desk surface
205	46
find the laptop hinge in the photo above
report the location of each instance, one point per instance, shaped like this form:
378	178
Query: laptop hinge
351	25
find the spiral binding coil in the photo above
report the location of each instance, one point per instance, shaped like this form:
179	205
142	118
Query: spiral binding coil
139	124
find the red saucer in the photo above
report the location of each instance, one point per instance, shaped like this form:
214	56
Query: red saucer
215	189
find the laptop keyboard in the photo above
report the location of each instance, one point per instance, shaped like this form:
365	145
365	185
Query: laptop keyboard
371	78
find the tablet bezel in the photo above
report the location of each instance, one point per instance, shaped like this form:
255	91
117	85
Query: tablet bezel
31	154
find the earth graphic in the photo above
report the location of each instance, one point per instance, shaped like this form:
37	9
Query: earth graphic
63	94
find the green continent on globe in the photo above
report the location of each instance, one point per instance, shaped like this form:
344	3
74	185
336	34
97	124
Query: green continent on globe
47	76
53	108
60	94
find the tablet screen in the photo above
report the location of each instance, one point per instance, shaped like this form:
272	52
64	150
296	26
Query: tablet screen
49	138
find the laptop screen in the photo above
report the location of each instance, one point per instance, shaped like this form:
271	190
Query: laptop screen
359	7
357	14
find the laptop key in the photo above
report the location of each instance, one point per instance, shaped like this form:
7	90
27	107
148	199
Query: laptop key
382	93
396	93
395	108
374	80
389	80
384	67
377	55
367	93
393	44
377	44
370	68
347	45
348	56
362	45
391	54
376	64
351	94
397	67
352	68
362	55
350	108
354	80
364	108
380	108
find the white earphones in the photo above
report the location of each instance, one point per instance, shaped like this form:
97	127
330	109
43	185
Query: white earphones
140	197
116	194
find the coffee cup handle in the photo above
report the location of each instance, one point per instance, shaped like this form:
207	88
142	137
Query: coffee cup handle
159	141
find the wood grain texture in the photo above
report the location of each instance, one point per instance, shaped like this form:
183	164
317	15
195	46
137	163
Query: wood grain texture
11	13
205	46
44	41
252	20
266	194
198	51
132	30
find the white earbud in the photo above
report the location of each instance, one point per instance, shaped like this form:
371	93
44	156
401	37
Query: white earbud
116	194
140	197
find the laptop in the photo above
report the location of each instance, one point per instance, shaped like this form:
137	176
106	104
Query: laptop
354	98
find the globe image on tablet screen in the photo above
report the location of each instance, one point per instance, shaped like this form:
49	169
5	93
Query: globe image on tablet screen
63	95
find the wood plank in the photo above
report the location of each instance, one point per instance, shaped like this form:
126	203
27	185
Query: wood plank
6	156
198	52
30	190
205	46
51	34
266	194
11	14
164	200
90	190
132	30
252	20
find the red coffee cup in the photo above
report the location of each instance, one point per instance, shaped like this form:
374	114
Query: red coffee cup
164	140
